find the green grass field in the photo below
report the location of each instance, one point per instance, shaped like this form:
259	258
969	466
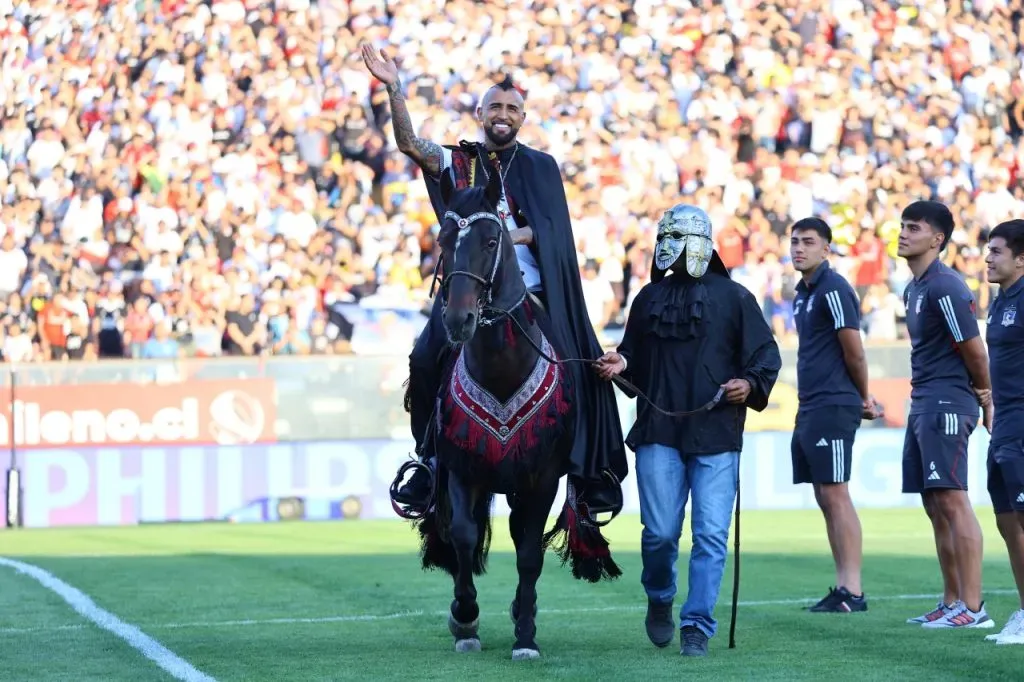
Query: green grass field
347	601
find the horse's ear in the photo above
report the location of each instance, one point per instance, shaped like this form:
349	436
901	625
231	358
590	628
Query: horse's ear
447	186
493	190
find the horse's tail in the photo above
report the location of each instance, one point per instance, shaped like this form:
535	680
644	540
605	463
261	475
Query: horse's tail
575	539
436	548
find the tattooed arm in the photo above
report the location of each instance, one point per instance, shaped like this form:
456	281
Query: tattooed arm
425	153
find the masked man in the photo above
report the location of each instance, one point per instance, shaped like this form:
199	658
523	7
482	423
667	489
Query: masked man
690	335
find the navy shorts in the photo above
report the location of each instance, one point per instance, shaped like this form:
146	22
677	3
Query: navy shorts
822	445
1006	477
935	451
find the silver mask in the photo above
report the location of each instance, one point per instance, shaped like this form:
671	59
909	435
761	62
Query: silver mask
684	228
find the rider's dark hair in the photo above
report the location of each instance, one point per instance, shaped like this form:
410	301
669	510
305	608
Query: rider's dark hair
507	84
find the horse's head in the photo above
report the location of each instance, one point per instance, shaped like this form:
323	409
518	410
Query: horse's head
478	258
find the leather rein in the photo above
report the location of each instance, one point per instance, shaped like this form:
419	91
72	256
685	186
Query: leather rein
499	313
625	383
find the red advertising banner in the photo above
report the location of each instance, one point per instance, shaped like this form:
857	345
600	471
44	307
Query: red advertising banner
225	412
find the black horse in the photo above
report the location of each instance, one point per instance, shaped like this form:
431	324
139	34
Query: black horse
503	424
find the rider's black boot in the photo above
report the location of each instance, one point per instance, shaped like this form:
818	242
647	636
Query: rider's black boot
416	491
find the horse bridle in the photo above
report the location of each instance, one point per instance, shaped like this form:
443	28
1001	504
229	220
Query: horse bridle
486	283
499	313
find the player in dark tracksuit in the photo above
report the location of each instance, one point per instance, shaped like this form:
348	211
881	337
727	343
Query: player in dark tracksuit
832	379
1005	337
949	379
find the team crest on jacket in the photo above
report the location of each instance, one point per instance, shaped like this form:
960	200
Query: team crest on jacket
1009	316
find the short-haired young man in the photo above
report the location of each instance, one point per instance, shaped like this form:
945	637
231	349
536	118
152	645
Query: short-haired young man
1005	337
949	379
832	380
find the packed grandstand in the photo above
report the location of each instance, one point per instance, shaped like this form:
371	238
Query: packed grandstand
214	177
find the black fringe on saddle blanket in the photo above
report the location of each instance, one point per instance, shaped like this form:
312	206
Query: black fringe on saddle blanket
575	539
437	552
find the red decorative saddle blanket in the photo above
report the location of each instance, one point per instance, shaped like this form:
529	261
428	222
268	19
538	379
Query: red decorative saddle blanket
477	422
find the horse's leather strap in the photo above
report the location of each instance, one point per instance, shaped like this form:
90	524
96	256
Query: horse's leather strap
629	386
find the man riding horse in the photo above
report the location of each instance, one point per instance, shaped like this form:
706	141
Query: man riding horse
534	207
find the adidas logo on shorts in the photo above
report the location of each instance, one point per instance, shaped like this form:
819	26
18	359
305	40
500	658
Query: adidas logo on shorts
824	444
934	476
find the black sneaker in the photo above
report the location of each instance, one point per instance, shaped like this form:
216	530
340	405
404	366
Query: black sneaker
840	600
693	641
660	627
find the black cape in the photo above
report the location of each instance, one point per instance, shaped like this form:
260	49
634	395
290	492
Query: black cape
686	337
535	183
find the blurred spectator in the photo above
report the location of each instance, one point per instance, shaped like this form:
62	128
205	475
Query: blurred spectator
202	177
245	329
161	346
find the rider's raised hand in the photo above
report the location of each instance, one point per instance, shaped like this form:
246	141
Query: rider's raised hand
380	65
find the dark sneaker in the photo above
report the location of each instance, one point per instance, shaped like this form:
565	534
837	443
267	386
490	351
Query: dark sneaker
660	627
840	600
693	641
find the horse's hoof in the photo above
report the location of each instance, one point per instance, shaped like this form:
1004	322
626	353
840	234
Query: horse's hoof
464	646
525	654
462	631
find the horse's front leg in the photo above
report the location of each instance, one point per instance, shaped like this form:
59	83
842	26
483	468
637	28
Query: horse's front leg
464	621
527	528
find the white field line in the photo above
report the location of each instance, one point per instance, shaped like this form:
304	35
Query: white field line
370	617
176	666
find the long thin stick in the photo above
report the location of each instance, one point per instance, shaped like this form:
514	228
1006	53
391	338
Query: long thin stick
736	563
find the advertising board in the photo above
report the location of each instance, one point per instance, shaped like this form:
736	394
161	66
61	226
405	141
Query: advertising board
225	412
124	485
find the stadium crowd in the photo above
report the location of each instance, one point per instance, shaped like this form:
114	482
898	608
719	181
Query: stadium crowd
213	177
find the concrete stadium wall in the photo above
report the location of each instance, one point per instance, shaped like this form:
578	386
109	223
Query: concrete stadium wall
350	479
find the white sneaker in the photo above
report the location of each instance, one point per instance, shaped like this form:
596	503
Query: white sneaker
1013	631
1014	625
963	617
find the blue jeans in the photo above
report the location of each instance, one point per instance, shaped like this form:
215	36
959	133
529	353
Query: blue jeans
665	479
